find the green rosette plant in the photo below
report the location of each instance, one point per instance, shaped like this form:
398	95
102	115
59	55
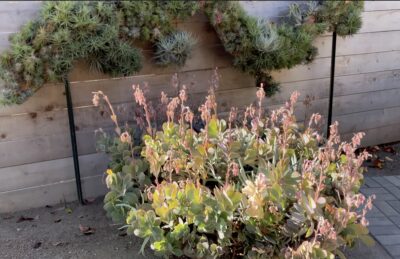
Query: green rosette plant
252	185
174	49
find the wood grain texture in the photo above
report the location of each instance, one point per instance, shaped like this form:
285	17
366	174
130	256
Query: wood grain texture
14	14
381	135
51	194
345	65
367	120
344	85
370	6
44	173
48	97
363	43
387	20
4	43
52	136
44	148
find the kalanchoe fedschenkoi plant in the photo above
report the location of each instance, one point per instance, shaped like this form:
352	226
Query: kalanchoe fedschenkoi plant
255	185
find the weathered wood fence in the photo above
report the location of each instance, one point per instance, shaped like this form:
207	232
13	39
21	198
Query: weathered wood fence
36	167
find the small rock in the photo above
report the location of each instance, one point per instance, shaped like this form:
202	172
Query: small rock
86	230
37	245
60	243
7	217
23	218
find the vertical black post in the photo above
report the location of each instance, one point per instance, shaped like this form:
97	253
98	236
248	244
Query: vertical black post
333	59
73	141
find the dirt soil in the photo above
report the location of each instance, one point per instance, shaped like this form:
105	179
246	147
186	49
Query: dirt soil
54	232
385	160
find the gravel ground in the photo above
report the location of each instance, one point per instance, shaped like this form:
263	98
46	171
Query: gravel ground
54	232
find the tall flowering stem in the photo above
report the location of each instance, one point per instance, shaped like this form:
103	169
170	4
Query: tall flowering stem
97	97
141	100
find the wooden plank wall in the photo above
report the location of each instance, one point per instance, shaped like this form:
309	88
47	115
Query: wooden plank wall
35	154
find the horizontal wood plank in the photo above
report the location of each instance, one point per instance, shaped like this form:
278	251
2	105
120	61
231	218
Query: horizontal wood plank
269	10
386	20
344	85
44	148
51	97
356	44
380	135
345	65
14	6
89	118
14	14
366	101
204	57
363	121
51	194
4	42
58	146
44	173
370	6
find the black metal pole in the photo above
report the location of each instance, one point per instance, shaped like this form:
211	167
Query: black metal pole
73	141
333	60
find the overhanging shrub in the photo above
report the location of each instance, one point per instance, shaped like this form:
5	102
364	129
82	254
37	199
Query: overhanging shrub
260	46
254	185
100	33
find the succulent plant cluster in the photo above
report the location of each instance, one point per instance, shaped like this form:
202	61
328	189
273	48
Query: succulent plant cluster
260	46
104	33
100	33
253	185
154	20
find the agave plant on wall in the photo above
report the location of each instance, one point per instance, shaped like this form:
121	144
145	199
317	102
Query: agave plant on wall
175	48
